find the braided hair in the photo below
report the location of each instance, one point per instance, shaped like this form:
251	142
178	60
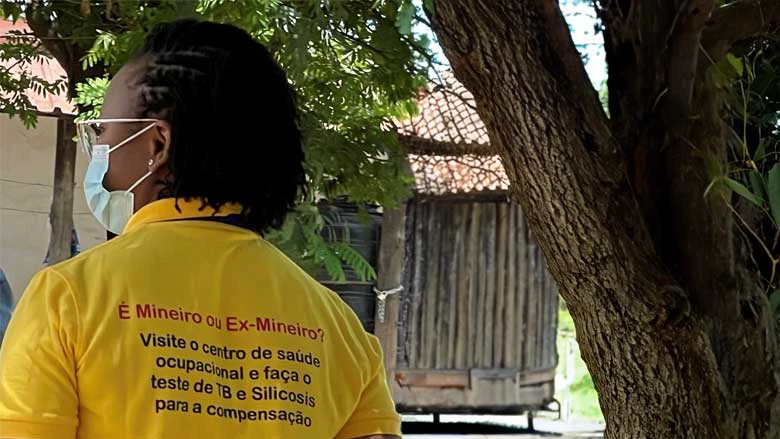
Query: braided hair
235	136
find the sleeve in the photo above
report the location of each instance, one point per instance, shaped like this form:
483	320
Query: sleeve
38	396
375	413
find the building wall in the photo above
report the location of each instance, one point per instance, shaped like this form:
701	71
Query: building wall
26	179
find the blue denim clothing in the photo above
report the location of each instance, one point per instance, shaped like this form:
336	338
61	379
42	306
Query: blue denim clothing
6	304
75	249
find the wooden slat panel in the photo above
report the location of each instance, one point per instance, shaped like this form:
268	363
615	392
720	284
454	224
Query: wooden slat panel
522	289
431	290
479	323
550	359
501	293
403	313
532	297
462	332
481	294
544	301
544	310
422	305
489	255
510	300
444	292
420	231
510	338
538	394
540	308
443	400
456	251
404	317
552	354
471	271
468	378
527	378
427	378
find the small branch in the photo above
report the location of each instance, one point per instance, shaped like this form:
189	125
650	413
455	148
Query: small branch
422	20
359	42
738	21
43	29
21	60
749	229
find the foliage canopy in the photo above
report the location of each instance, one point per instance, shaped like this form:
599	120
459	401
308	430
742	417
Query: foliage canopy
355	65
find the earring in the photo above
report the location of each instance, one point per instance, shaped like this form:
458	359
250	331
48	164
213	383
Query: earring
151	162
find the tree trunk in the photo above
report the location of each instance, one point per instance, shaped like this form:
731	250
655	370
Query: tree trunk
69	53
61	213
675	334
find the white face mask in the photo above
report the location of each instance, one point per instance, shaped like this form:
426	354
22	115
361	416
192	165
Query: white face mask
112	209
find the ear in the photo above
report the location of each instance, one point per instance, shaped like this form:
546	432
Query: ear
161	145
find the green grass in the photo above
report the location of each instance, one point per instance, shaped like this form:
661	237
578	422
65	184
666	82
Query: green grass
584	400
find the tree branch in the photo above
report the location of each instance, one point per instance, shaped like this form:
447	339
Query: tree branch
738	21
67	51
683	40
24	59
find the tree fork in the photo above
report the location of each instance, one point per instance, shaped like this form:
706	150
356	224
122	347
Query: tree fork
648	347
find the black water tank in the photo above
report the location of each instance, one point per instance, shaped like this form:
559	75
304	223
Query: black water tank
361	232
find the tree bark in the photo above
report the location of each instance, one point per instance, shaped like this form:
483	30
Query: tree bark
61	213
675	334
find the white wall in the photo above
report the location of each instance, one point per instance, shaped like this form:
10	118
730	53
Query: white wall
26	178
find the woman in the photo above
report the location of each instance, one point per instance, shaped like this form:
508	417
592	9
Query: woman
189	324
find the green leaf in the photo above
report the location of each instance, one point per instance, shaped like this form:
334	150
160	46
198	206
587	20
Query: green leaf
726	70
428	5
744	192
774	302
773	191
760	150
758	186
405	16
355	261
735	63
332	263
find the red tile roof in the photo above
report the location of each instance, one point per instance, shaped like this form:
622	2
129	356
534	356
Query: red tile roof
448	114
448	117
47	69
452	174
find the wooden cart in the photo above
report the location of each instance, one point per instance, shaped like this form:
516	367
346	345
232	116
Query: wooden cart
474	330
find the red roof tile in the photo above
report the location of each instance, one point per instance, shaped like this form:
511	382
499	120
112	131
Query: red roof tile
448	115
47	69
438	175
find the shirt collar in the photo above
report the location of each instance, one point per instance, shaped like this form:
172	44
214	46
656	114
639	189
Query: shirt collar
166	210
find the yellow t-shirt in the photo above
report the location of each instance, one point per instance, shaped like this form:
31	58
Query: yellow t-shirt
188	329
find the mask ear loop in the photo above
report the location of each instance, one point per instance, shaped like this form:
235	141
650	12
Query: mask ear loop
124	142
140	180
131	138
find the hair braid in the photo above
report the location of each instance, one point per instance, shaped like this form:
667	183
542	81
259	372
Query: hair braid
235	135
